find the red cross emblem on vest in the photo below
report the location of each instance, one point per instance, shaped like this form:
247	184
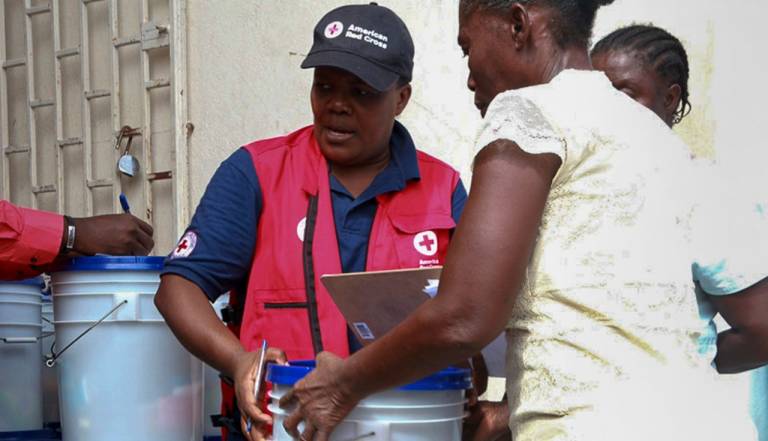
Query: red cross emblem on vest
426	243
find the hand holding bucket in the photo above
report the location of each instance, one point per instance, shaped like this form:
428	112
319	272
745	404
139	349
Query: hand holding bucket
313	396
431	408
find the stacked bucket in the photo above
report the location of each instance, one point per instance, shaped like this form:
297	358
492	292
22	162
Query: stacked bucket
21	402
121	373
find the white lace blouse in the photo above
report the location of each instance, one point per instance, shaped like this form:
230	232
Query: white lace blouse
602	343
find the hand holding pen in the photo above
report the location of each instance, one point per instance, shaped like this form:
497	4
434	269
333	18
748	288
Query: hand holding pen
114	234
249	376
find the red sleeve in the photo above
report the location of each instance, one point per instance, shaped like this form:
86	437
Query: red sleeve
28	240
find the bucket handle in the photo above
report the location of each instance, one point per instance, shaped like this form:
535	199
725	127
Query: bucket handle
23	340
359	437
51	359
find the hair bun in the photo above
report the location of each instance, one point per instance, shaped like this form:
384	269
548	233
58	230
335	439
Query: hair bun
593	5
589	8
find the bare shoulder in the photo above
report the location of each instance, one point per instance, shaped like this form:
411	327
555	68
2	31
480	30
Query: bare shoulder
507	153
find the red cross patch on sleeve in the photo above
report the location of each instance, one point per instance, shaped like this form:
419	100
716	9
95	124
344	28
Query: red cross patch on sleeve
185	246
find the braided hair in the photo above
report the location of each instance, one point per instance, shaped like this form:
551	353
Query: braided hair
572	25
659	50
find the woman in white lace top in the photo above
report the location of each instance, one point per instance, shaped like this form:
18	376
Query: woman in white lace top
573	238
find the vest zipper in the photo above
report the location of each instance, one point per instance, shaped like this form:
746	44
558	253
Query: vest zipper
309	276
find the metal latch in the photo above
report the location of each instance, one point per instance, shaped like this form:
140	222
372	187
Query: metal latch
127	164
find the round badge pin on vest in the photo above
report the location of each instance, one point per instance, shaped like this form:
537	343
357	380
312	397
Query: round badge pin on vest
301	228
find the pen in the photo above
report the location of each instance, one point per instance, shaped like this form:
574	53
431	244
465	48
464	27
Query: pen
257	383
124	203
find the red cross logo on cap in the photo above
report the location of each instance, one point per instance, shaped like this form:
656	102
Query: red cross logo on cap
334	29
426	243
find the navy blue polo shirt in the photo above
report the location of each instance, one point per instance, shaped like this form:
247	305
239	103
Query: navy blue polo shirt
227	217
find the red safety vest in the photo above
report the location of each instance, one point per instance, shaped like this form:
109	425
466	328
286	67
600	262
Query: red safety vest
296	243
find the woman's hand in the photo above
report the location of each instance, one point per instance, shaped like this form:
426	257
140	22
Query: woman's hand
479	379
245	378
321	400
487	421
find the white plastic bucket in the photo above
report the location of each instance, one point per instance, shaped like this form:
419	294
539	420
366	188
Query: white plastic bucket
212	391
128	378
427	410
21	404
50	382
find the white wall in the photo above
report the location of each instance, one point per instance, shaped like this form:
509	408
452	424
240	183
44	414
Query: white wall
245	82
728	68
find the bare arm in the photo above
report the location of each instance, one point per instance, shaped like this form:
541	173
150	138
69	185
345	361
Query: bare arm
189	315
193	321
484	270
745	345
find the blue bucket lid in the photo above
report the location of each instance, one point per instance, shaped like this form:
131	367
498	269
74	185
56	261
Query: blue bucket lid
448	379
31	435
113	263
35	281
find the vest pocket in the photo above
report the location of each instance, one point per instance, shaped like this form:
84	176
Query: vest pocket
290	305
285	326
412	224
271	297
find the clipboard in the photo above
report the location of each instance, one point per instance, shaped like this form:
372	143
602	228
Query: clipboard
373	303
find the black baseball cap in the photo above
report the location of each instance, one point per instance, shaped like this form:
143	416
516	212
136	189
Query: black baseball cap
370	41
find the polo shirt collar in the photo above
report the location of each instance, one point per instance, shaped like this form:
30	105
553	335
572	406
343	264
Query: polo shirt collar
403	167
404	153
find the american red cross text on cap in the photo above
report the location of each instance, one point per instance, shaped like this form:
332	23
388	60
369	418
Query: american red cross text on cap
369	41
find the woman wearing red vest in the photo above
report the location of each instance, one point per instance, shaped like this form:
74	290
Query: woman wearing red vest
349	193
